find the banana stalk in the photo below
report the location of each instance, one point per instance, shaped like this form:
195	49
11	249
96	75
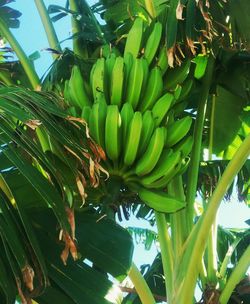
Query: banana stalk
140	285
199	236
27	65
48	26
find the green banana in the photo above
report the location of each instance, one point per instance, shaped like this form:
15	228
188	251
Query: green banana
148	127
164	180
145	74
134	38
177	75
97	78
127	114
185	146
72	111
162	61
153	90
152	154
112	132
135	80
109	65
165	166
86	113
179	108
186	88
128	62
153	42
133	139
201	65
177	130
161	108
177	91
76	88
94	122
160	200
116	85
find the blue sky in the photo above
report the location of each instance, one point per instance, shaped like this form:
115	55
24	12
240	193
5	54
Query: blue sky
32	38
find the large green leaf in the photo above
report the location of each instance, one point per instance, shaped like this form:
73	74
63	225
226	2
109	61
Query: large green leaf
99	239
227	111
240	10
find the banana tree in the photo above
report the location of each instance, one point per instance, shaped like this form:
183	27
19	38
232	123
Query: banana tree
152	96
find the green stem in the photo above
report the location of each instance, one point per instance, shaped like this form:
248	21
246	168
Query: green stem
149	4
96	24
211	131
166	253
141	285
178	221
212	254
235	276
196	152
48	26
203	274
76	29
5	78
227	258
212	240
197	243
79	48
27	65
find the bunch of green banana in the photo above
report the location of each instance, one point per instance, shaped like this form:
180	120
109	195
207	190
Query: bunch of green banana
134	110
75	91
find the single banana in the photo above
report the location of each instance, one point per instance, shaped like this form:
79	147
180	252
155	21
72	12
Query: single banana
161	108
127	114
186	88
134	38
72	111
148	126
162	61
201	65
135	80
152	154
177	130
77	88
112	132
177	91
177	75
94	122
166	165
153	90
179	108
153	42
162	182
97	78
185	146
97	119
86	113
128	62
160	200
145	74
116	85
109	65
133	141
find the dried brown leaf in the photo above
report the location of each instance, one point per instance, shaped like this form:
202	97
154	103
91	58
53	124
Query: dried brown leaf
33	123
20	292
170	53
70	247
71	218
179	11
28	277
190	44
